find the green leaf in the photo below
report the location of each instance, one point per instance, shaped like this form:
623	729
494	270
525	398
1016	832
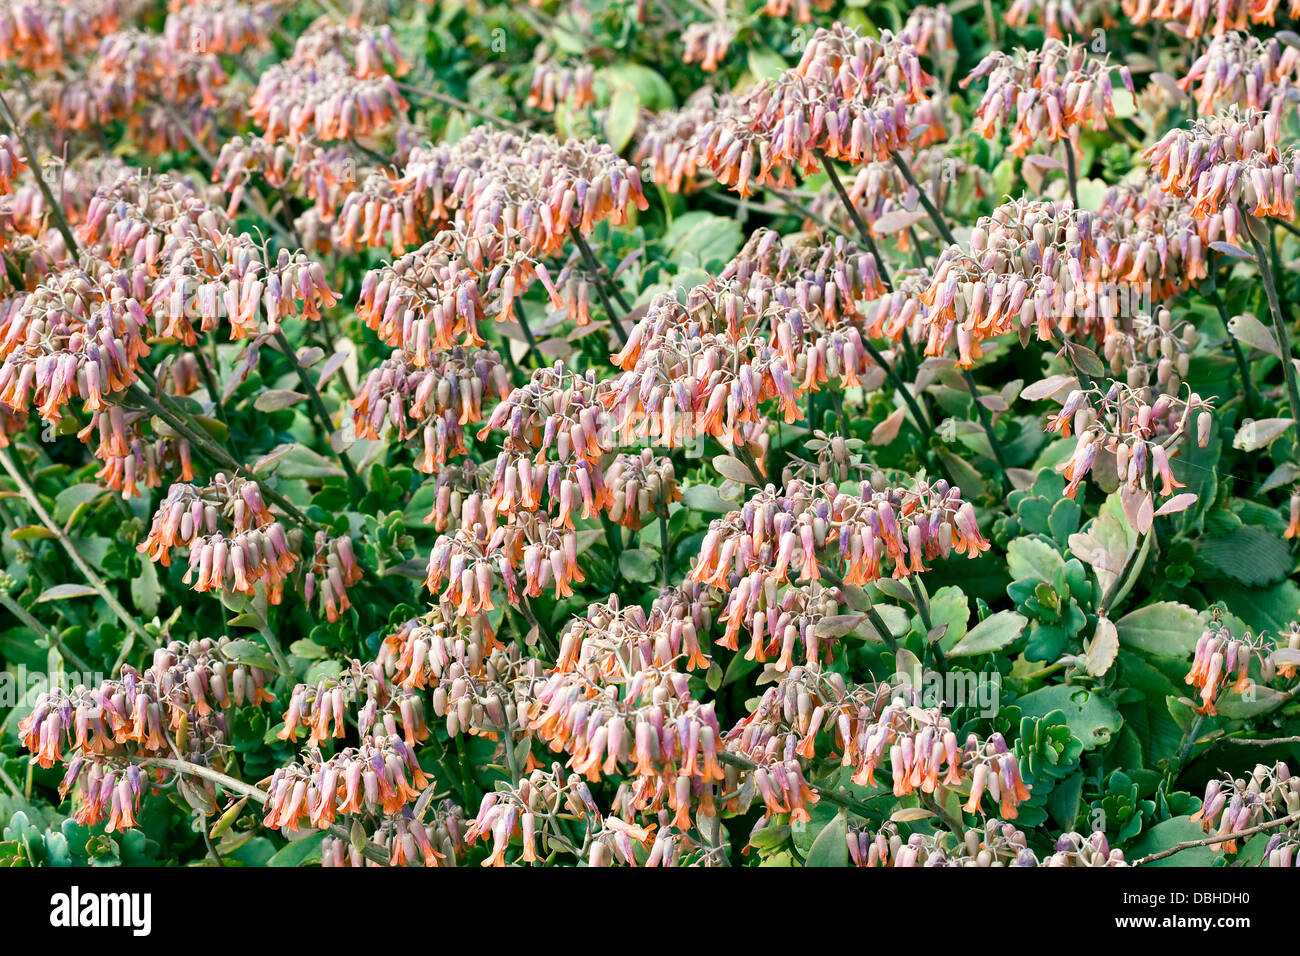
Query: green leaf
637	564
1250	555
60	592
1090	717
275	399
1033	558
299	852
831	846
302	462
765	64
701	498
702	237
307	650
145	590
621	120
69	500
652	89
1164	835
1167	629
991	634
246	652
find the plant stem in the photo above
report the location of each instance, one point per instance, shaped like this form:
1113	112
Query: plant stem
867	239
20	612
1279	321
54	205
664	539
322	414
1217	838
447	100
598	276
1063	342
936	217
908	399
218	455
882	629
92	578
1072	174
986	422
533	350
1247	386
826	793
371	852
1122	581
743	453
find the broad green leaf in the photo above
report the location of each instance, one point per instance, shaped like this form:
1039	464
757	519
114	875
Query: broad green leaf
1166	628
1031	557
1090	717
991	634
621	120
637	564
299	852
831	847
60	592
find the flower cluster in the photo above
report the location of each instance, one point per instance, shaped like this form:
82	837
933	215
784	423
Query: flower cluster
668	143
430	404
1197	18
994	844
178	704
850	97
1238	69
554	83
381	775
640	485
1045	95
1224	161
779	533
79	334
43	34
1141	433
405	841
234	541
1233	805
336	86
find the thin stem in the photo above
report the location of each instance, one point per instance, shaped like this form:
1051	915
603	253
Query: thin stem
1217	838
743	453
1279	321
986	422
20	612
664	540
908	399
1247	386
448	100
593	266
533	350
1260	741
214	389
273	643
867	239
322	414
1072	174
53	204
1062	341
882	629
92	578
198	438
1122	580
371	852
936	217
826	793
